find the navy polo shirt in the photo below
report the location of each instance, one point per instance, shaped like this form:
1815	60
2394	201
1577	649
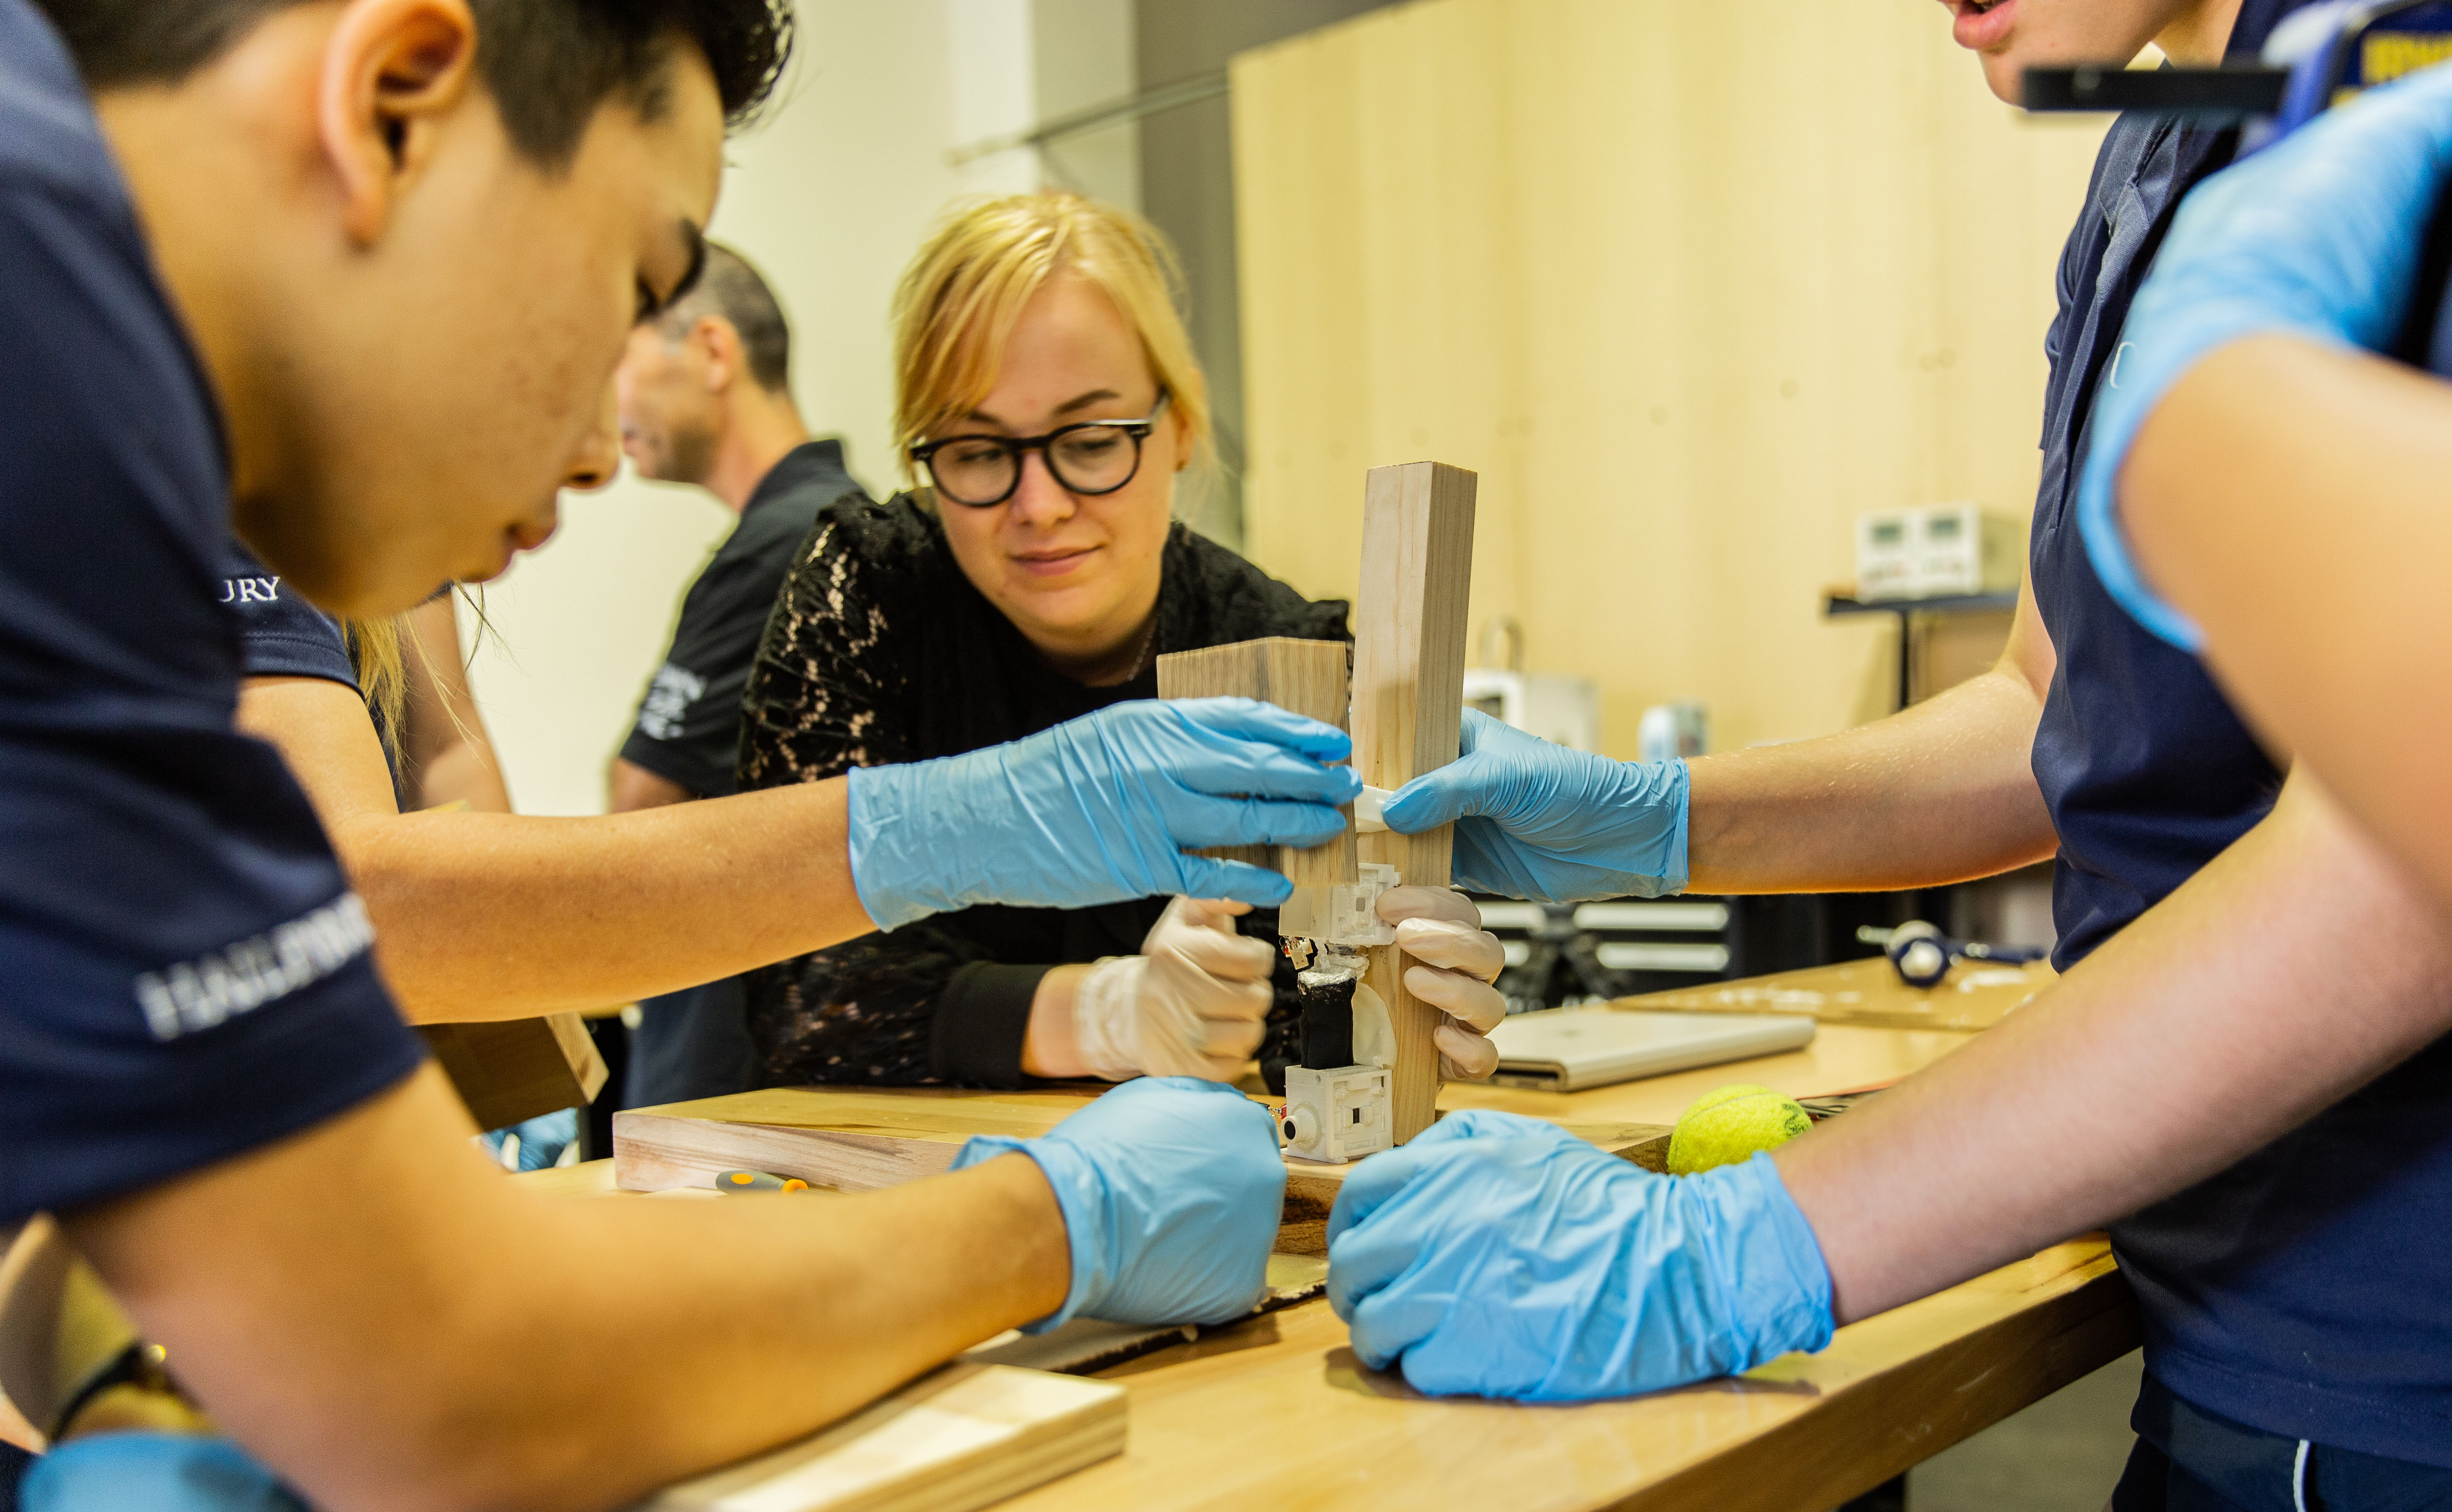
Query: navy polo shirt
183	974
280	633
2301	1291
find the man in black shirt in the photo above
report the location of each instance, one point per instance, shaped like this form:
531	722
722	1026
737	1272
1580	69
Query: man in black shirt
706	394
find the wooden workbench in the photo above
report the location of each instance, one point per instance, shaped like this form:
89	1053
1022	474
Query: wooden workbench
1276	1411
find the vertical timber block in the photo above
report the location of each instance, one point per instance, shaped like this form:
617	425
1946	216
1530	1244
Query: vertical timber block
509	1070
1302	676
1409	713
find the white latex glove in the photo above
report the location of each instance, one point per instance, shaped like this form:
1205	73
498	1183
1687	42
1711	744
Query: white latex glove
1193	1003
1455	960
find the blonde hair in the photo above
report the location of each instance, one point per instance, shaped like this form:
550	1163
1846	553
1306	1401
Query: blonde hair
958	301
382	672
378	654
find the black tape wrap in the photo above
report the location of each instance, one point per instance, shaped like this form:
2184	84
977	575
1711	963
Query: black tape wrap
1327	1020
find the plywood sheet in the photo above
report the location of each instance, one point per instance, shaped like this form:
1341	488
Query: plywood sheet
963	1437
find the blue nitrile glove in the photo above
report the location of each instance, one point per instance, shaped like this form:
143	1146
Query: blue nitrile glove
160	1472
1501	1256
2318	236
542	1139
1099	810
1171	1188
1536	820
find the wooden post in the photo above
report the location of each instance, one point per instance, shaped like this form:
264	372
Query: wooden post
1409	714
1302	676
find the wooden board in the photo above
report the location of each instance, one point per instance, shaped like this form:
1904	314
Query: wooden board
963	1437
853	1139
1307	678
1843	1058
1408	708
1976	994
509	1070
860	1139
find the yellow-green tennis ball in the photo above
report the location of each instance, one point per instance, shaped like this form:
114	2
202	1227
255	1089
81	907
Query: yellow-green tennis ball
1728	1123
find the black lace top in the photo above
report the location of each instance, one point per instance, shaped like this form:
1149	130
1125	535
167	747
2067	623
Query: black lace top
880	651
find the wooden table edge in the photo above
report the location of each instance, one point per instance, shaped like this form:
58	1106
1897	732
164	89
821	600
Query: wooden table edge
1965	1384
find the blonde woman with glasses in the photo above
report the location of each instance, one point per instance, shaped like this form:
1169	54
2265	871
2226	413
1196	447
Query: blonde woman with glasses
1047	401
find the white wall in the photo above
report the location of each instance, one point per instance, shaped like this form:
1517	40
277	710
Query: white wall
830	197
994	93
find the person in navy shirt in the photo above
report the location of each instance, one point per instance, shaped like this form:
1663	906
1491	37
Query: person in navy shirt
2280	466
2242	1071
338	277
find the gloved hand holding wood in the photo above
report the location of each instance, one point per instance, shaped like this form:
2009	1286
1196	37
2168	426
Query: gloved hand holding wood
1193	1003
1454	960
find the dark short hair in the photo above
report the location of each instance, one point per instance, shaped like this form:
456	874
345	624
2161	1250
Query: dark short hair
727	285
549	64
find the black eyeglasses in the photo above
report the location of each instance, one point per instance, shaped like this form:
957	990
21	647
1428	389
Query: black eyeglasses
1096	457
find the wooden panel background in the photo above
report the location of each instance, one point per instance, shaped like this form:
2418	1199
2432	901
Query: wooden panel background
1689	288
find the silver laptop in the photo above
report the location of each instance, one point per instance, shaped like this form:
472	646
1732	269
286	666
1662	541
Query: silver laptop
1567	1049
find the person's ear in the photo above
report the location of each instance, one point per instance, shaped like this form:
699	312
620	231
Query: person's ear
719	346
392	70
1182	424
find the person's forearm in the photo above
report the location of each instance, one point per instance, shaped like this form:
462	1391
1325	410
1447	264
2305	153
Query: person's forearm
445	745
449	1340
2289	498
464	773
1051	1048
502	917
629	787
2296	966
1939	793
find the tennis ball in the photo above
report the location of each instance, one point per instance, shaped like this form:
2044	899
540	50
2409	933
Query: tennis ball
1728	1123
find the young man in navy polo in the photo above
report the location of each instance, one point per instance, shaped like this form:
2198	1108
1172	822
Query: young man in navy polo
352	276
